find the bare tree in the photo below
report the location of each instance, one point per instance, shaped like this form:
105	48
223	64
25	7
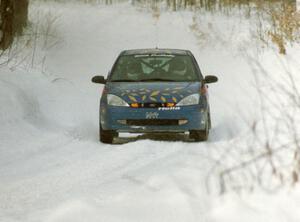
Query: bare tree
6	25
14	16
21	15
108	2
174	5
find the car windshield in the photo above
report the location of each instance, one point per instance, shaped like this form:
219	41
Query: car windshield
152	68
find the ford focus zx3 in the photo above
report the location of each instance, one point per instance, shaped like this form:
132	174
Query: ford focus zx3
155	91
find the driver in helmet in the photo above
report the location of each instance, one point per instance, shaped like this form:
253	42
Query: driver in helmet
134	70
178	66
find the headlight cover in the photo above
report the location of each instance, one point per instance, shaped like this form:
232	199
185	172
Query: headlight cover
113	100
190	100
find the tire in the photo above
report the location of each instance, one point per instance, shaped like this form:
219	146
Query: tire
201	135
107	136
209	121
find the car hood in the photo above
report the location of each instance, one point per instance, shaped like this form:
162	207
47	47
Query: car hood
154	92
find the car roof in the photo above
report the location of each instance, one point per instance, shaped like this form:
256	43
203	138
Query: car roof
156	51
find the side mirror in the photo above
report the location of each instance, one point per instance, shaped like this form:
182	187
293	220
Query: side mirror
210	79
99	79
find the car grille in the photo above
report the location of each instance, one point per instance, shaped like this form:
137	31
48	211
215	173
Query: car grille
152	122
152	105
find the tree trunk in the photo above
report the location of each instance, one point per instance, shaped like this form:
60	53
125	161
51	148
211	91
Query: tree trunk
14	16
21	15
108	2
7	23
169	3
174	5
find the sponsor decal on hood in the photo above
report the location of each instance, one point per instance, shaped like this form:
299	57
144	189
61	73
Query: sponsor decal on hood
153	92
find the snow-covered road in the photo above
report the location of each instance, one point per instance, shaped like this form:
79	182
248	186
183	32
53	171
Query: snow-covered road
52	166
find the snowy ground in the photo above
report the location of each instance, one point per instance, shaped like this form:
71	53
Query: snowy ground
52	166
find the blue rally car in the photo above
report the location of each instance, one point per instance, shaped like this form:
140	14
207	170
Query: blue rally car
155	91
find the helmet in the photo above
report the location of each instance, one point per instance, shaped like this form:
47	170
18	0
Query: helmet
178	66
134	70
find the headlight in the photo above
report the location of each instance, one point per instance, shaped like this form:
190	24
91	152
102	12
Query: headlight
190	100
113	100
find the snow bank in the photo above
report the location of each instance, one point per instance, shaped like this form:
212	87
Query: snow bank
259	207
14	99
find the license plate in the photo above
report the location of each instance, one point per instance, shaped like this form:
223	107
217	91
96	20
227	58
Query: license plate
152	115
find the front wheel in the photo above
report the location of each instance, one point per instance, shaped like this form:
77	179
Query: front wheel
200	135
107	136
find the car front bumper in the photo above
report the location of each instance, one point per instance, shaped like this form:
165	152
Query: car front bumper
145	120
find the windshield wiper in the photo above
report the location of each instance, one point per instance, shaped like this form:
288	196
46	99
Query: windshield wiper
125	80
157	80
